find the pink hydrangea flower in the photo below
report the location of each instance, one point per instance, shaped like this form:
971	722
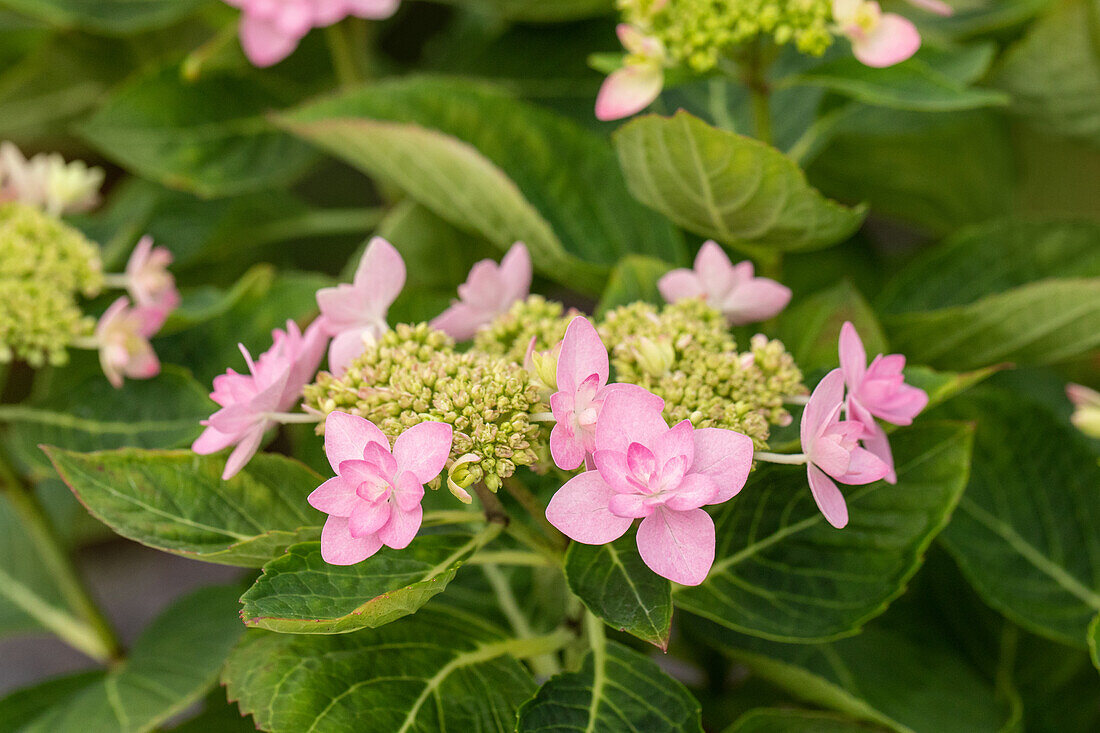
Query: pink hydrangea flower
878	390
582	386
489	291
633	87
374	499
122	336
878	39
831	446
148	279
644	469
271	29
732	289
355	314
251	403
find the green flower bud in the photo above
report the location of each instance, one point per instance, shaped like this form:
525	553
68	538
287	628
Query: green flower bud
534	318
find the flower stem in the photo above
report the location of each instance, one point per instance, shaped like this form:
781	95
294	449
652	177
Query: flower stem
495	512
759	94
115	280
456	516
286	418
543	665
790	459
509	557
796	399
341	47
534	507
192	65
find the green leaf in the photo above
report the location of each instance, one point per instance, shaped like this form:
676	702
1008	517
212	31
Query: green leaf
728	187
1094	642
992	258
105	16
429	672
1041	323
494	166
616	689
300	593
781	572
539	11
174	663
633	279
810	328
784	720
1025	530
163	412
29	599
617	586
23	706
176	501
210	137
910	85
942	386
1059	92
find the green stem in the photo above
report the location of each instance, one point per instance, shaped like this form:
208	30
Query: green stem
495	512
93	634
759	94
323	222
192	65
456	516
543	665
341	46
534	507
509	557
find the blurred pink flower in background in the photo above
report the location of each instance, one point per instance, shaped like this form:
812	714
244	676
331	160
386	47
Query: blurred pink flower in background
489	290
122	336
878	39
732	289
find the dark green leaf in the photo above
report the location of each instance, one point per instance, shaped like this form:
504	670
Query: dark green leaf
781	572
176	501
429	672
302	594
633	279
728	187
210	137
1025	531
810	328
19	708
782	720
30	601
617	586
105	16
539	11
617	689
174	663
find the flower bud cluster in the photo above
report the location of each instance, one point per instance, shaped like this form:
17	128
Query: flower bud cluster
413	375
510	334
684	354
44	265
697	33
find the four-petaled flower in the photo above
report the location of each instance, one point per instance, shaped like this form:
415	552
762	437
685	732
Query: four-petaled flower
122	336
732	289
582	388
633	87
374	499
250	403
831	446
878	39
489	291
644	469
148	279
355	314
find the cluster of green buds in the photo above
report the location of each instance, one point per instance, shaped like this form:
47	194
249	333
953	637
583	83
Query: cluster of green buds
413	374
535	317
45	265
698	33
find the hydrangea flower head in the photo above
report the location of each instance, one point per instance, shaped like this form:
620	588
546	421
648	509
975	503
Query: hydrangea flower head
148	279
633	87
878	39
832	449
123	335
644	469
375	497
355	314
731	289
582	388
489	291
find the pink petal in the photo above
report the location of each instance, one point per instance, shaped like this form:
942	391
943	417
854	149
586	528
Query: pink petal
614	470
821	407
212	440
566	448
640	461
696	490
143	362
347	346
631	505
830	456
580	510
338	547
381	275
367	517
679	285
641	396
828	497
878	444
627	417
582	355
628	90
678	545
853	357
335	497
264	43
327	12
423	449
934	6
675	442
1081	396
636	42
243	453
516	273
347	436
343	308
461	321
408	491
373	9
402	527
892	41
756	300
864	468
715	271
726	457
484	287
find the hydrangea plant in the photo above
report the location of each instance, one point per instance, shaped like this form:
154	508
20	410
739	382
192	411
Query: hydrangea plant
773	408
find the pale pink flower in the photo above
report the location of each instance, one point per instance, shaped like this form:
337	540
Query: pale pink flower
633	87
271	29
582	372
148	279
122	335
644	469
355	314
732	289
1086	413
831	446
489	291
251	403
878	39
374	499
47	182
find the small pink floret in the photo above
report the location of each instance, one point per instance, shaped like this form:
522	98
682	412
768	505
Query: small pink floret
122	335
489	290
732	289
